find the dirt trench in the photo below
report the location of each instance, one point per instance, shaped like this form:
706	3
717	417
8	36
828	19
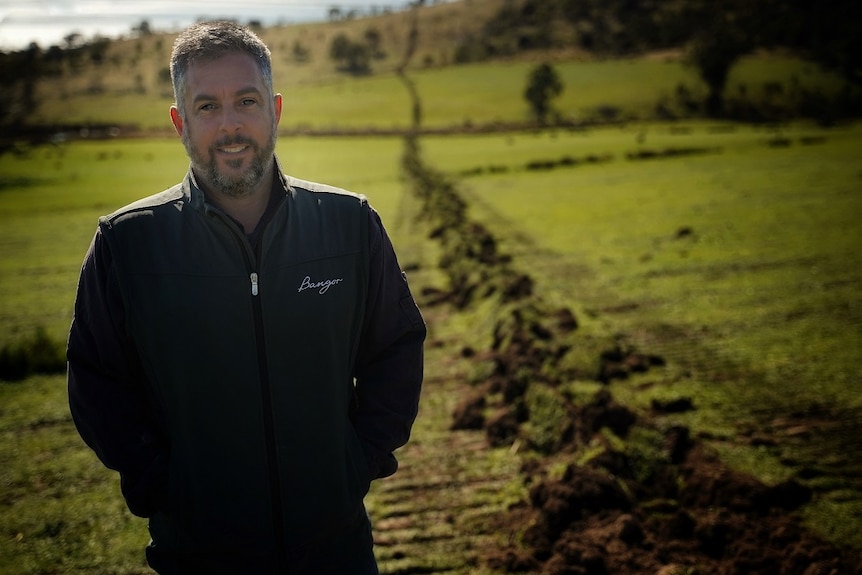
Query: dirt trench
675	510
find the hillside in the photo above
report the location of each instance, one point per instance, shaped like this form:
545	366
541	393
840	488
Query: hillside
96	77
472	58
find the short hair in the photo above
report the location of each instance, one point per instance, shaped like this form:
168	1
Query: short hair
208	41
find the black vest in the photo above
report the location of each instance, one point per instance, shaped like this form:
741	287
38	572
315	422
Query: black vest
249	354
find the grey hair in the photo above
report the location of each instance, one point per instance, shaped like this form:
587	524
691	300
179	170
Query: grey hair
207	41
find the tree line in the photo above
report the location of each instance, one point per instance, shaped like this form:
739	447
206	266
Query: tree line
714	33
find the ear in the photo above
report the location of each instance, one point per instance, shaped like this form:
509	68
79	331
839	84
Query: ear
177	120
277	108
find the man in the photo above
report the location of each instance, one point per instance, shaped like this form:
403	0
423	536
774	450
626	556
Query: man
245	350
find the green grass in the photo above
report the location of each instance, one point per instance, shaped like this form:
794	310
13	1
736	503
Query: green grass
51	198
49	203
757	311
453	96
60	510
757	308
774	231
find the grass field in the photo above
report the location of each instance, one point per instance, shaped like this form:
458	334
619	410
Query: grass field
454	96
739	263
60	511
733	253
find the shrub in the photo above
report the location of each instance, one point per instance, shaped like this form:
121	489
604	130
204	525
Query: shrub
353	57
37	353
543	85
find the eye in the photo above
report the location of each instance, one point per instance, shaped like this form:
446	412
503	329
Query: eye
248	102
206	107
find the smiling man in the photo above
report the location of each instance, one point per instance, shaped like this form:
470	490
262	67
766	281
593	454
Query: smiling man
245	350
228	126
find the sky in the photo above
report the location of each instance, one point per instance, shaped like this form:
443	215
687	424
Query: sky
47	22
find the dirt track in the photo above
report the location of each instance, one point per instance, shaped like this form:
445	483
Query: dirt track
437	514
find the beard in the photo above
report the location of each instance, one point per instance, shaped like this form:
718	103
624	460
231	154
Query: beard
238	185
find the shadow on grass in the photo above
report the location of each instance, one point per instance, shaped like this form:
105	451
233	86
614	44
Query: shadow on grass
36	353
19	182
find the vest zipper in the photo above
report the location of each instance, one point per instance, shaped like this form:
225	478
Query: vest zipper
266	394
269	429
268	417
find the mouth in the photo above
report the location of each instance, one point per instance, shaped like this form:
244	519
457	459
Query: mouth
236	149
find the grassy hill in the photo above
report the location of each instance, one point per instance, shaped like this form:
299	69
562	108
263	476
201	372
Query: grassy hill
130	86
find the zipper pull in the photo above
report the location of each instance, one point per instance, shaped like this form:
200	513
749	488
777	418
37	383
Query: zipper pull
253	283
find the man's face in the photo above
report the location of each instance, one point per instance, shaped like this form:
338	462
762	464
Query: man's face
229	129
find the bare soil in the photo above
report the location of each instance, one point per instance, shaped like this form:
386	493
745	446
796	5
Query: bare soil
692	515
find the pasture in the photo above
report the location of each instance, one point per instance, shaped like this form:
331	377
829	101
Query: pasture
454	97
61	511
731	251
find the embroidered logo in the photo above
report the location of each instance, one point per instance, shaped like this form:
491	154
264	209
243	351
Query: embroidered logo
322	286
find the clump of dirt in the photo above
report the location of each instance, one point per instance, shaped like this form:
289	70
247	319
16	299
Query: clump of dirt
527	345
619	362
696	517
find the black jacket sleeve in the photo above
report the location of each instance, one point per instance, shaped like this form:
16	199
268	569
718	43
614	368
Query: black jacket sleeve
389	363
108	401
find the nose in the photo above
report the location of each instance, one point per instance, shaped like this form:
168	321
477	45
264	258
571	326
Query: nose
230	119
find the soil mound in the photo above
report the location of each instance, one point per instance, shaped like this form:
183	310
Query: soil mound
703	519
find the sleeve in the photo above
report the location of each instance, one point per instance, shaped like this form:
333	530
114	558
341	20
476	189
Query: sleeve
389	363
109	403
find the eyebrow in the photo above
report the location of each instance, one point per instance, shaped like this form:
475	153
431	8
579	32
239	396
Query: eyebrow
240	92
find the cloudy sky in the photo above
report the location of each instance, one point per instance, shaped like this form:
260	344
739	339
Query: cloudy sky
47	22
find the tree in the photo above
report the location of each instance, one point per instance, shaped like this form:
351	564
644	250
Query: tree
98	48
543	85
723	32
143	28
354	57
340	47
829	34
73	40
713	53
20	71
373	40
300	52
